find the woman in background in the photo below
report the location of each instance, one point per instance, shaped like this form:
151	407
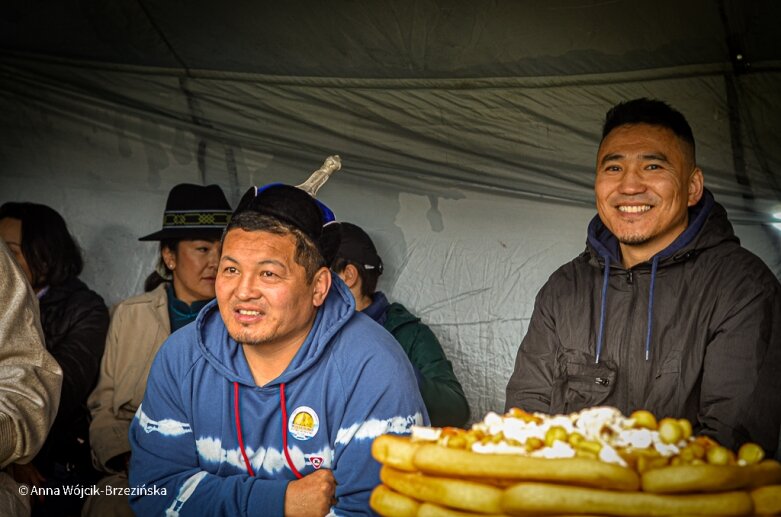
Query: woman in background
74	321
181	285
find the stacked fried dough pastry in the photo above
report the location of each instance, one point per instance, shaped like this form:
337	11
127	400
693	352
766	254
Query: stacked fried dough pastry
595	462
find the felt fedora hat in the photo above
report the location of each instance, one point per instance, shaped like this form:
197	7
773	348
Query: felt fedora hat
192	212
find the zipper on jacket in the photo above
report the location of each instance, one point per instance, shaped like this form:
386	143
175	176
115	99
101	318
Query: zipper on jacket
624	352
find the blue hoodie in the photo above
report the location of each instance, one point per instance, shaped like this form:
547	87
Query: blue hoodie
349	382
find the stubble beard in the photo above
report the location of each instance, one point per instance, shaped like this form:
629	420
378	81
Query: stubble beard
244	338
633	239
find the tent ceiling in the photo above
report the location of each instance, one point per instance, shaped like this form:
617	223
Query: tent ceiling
398	38
503	95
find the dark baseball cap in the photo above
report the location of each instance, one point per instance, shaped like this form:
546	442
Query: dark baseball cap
297	208
357	247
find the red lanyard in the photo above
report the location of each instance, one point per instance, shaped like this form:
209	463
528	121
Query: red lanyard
284	430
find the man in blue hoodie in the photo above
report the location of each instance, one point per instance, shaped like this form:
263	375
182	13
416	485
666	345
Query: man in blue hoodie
664	311
268	403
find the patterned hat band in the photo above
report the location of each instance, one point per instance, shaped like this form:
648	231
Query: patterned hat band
202	219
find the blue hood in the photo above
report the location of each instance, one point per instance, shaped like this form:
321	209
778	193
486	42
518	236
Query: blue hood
227	356
603	244
378	309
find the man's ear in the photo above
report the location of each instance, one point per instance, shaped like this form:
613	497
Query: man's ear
696	186
321	284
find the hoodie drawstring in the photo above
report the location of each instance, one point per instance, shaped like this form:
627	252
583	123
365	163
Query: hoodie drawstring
650	315
284	430
603	306
238	428
654	265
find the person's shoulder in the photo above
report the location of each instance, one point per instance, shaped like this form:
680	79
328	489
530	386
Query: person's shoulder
362	337
733	265
186	337
142	301
398	315
398	310
77	298
566	274
180	350
367	355
153	296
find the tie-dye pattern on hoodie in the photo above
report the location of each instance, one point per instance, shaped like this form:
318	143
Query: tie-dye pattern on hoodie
349	383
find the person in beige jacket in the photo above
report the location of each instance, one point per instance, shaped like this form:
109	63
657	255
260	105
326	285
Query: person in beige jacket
181	285
30	381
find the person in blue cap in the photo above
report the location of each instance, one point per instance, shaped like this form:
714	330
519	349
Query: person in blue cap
268	405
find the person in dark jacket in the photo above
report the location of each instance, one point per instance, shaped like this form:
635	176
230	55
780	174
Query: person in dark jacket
359	266
74	321
664	310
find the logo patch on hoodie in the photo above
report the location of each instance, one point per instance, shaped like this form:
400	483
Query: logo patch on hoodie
303	423
316	461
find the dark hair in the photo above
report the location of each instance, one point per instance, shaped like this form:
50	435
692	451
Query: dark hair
369	277
161	274
49	249
307	254
649	111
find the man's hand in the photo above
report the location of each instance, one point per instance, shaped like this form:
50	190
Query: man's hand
312	495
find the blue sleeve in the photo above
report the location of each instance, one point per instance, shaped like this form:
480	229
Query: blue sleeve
381	397
164	468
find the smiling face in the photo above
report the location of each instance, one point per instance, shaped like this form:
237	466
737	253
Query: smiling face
263	293
645	181
194	267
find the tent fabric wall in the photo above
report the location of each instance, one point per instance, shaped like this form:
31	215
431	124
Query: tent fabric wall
475	192
468	130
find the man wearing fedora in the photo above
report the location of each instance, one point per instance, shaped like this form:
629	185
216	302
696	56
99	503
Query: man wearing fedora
268	405
181	285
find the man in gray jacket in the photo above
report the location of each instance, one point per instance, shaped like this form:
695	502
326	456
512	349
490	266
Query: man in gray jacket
664	310
30	381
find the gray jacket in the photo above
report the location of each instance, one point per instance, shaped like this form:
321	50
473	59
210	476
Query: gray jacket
694	333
